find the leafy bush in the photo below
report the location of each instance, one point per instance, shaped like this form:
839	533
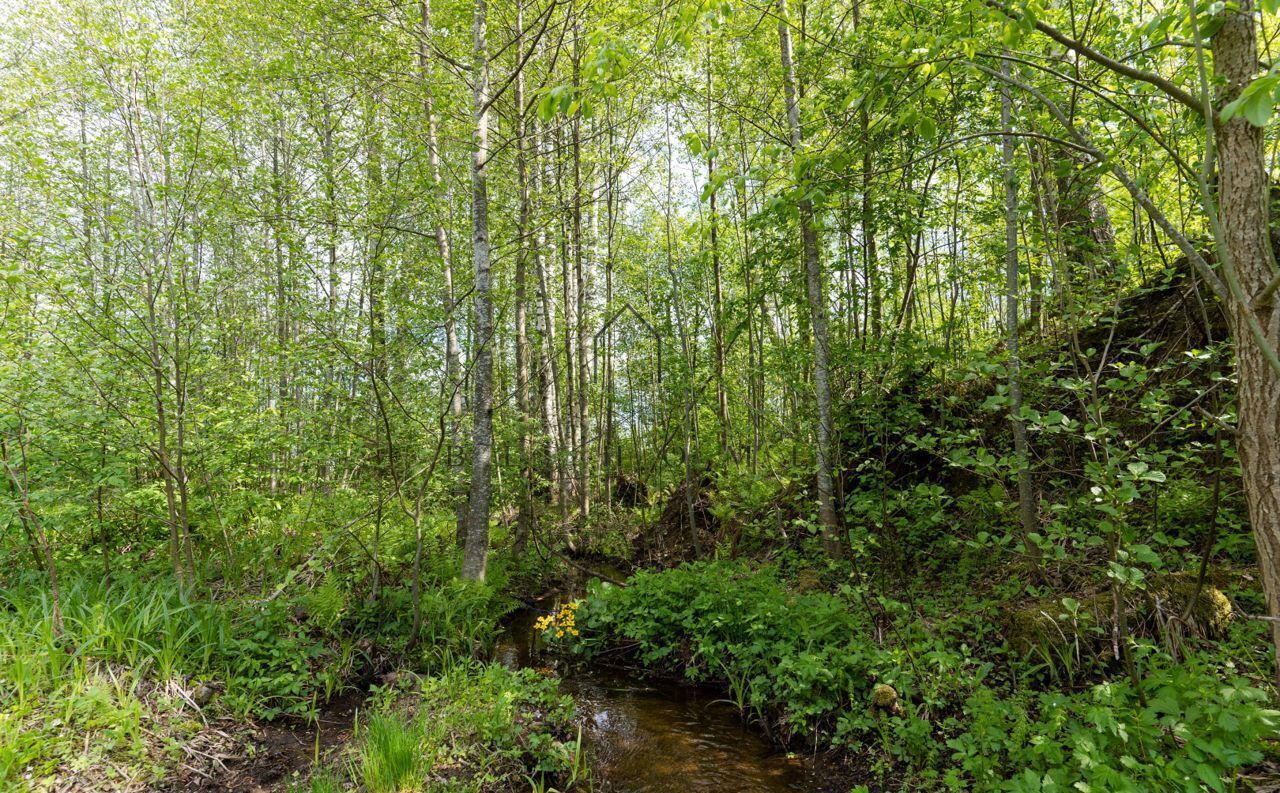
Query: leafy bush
725	621
807	662
1186	729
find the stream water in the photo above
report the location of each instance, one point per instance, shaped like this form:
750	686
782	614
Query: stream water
659	736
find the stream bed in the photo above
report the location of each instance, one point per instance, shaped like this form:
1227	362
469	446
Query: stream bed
660	736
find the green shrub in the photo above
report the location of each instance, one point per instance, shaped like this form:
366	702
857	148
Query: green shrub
725	621
1194	731
807	661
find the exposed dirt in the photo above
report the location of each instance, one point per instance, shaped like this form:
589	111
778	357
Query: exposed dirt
270	754
671	540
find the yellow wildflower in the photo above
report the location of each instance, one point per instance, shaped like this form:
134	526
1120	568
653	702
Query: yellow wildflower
562	621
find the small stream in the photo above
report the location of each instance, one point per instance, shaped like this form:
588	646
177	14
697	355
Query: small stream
659	736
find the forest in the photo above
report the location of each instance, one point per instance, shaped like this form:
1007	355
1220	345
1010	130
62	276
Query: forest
837	396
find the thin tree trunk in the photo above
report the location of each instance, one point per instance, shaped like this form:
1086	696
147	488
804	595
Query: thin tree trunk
755	331
151	262
21	484
475	556
872	305
817	307
582	446
281	307
549	371
524	521
453	352
1026	498
686	457
569	301
158	384
377	287
717	297
330	398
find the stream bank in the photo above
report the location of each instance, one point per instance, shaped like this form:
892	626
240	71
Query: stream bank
658	735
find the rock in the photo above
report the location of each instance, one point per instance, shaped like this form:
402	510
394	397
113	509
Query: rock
205	692
1047	628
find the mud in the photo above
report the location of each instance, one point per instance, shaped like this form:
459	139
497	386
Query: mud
272	754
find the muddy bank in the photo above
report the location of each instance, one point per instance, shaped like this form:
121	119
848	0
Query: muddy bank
268	755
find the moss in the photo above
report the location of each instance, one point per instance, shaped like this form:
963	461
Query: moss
1046	622
1043	623
883	696
884	699
807	581
1212	612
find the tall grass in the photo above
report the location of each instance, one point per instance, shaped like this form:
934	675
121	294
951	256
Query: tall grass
322	782
84	691
100	692
391	756
148	628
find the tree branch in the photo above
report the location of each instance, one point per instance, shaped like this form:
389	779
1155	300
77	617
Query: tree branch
1176	93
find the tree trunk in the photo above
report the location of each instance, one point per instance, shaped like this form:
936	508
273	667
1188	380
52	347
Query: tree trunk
331	258
1242	204
453	353
159	384
549	372
717	297
582	444
817	306
377	287
477	541
1026	497
524	521
282	305
569	302
21	485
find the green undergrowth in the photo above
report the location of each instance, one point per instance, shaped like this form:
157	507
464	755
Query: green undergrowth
473	727
115	688
141	666
805	664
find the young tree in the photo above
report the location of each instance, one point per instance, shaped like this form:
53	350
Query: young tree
817	298
1026	496
475	554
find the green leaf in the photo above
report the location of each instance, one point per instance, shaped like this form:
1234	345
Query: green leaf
1257	109
547	106
1011	34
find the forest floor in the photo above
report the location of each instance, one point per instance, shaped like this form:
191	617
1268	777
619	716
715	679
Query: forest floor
273	755
772	664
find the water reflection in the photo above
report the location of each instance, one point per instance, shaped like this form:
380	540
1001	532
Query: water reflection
645	737
661	737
